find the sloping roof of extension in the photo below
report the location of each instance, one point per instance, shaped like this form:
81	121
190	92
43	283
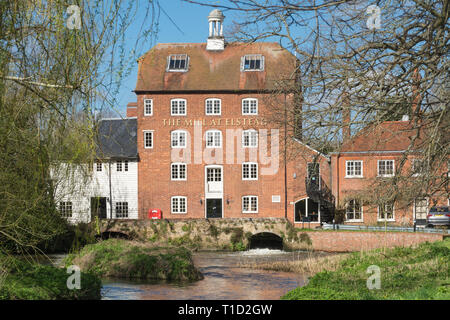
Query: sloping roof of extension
117	138
386	136
214	70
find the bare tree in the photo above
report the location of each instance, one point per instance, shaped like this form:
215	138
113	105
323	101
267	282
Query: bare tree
364	62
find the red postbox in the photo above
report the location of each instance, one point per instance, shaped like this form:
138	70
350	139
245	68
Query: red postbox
154	214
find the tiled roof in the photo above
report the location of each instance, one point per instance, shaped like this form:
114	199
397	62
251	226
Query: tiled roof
117	138
386	136
214	70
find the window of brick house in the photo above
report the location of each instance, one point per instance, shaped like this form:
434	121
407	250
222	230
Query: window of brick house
249	106
179	205
354	210
249	171
178	171
178	107
250	138
148	107
354	169
177	63
386	212
385	168
178	139
148	139
250	204
213	139
252	62
213	106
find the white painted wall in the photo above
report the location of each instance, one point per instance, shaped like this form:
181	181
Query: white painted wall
75	183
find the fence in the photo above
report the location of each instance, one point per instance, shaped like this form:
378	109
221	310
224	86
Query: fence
327	226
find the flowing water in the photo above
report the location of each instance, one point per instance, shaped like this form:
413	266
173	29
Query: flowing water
223	279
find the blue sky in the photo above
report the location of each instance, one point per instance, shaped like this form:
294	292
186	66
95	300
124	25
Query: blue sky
192	21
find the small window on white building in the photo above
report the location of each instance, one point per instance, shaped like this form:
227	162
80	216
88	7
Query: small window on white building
177	63
353	210
119	165
386	212
249	106
148	139
148	107
249	171
213	106
121	209
65	208
249	138
385	168
179	205
353	168
213	139
178	171
178	139
250	204
125	165
252	62
178	107
98	165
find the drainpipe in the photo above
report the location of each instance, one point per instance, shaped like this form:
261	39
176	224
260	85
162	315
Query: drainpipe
285	149
110	191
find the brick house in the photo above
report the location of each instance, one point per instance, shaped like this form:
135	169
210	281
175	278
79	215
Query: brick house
364	167
206	147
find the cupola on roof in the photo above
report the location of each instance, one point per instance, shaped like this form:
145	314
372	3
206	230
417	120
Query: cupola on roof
216	14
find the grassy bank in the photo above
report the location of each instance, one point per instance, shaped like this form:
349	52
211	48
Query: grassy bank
127	259
22	280
421	272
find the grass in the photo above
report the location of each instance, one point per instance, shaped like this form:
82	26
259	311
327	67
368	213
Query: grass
134	260
23	280
420	272
308	266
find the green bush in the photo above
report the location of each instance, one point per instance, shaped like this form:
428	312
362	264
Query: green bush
31	281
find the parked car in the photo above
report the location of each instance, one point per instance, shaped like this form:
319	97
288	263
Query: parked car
438	216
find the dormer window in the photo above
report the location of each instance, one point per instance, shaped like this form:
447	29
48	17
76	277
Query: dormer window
252	62
177	63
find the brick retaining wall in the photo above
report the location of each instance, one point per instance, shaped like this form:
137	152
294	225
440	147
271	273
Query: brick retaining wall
346	241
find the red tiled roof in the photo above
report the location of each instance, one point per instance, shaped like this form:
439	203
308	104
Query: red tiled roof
386	136
214	70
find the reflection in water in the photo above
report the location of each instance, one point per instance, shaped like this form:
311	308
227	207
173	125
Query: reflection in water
223	279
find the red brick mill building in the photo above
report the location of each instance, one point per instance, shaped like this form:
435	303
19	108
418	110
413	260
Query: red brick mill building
206	148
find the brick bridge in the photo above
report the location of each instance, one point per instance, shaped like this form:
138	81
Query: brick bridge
275	233
231	233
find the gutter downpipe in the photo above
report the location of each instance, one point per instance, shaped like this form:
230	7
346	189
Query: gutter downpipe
110	192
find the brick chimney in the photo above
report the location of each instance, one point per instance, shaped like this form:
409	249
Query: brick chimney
346	119
132	109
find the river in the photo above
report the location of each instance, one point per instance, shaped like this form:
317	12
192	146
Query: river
224	279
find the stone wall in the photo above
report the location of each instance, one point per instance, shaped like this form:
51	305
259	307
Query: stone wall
235	234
